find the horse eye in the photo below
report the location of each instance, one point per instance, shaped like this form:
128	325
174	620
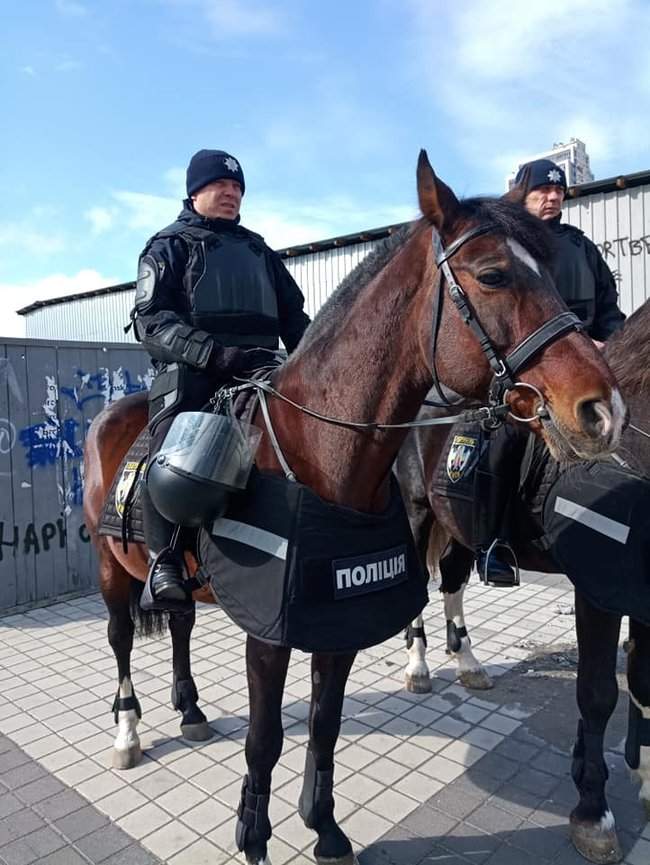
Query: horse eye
493	278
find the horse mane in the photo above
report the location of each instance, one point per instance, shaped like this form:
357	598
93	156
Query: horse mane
627	351
510	219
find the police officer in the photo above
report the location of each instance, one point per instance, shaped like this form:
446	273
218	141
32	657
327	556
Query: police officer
583	280
211	303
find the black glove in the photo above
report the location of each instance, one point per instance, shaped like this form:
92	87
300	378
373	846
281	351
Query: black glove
228	362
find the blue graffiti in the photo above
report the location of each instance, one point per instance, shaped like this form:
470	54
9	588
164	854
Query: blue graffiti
47	443
99	386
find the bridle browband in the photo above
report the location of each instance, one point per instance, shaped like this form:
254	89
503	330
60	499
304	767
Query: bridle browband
504	369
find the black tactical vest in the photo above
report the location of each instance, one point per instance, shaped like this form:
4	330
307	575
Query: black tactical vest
573	276
229	287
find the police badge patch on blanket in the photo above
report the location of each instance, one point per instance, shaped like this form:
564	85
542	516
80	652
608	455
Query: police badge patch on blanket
122	514
296	571
596	522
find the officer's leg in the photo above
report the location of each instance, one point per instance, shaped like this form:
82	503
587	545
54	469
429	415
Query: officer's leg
165	586
497	478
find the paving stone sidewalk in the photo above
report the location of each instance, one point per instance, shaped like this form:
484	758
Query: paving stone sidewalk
453	777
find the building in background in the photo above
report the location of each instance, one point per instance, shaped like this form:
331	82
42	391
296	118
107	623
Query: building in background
614	213
571	157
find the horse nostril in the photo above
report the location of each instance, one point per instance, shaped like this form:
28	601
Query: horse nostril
595	417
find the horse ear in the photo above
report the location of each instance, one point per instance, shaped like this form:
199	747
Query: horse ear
438	203
516	195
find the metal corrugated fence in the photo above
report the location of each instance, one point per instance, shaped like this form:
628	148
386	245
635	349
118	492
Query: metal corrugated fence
48	396
619	223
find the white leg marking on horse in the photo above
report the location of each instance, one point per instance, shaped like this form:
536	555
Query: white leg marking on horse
127	738
417	665
523	255
644	761
607	822
470	670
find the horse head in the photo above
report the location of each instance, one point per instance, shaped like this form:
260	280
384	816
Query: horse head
494	267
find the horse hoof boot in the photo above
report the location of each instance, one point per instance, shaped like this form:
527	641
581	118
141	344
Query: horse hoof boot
126	758
348	859
597	845
197	732
476	680
418	684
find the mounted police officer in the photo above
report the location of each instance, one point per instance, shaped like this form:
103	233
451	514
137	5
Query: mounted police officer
584	282
211	303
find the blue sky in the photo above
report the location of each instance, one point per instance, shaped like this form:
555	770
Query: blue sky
325	104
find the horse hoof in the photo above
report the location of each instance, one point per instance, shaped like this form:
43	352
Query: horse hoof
127	758
596	845
348	859
197	732
416	685
477	680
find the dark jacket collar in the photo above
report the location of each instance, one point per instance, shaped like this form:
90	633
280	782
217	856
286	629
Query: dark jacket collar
190	217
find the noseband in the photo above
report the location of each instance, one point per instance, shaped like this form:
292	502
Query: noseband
504	369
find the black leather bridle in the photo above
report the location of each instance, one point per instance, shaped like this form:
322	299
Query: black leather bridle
504	369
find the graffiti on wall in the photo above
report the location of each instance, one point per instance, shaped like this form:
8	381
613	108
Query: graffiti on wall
56	440
625	246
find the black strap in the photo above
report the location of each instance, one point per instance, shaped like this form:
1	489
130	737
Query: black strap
540	338
124	704
445	253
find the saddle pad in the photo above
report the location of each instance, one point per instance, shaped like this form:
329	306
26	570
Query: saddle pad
596	520
122	515
297	571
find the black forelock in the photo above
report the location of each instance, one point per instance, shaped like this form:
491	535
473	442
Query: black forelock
513	221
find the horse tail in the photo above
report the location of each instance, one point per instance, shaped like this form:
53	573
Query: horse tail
148	623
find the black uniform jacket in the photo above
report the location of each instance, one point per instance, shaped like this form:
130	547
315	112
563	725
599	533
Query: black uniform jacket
584	281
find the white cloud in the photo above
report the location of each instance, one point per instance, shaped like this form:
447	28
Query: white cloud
20	236
15	296
29	70
145	211
71	7
228	18
533	74
68	65
101	219
321	219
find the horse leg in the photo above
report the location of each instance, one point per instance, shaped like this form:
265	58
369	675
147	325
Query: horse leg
329	676
455	567
266	669
637	745
194	724
115	585
417	676
593	830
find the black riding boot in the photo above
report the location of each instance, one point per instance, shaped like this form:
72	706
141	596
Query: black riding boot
165	588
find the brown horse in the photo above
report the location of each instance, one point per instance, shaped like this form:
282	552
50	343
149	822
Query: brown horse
371	353
432	520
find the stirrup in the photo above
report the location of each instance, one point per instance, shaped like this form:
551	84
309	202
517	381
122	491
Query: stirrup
148	600
507	581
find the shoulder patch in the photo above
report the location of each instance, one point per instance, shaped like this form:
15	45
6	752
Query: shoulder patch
149	271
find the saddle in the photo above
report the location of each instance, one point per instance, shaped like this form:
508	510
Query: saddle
122	514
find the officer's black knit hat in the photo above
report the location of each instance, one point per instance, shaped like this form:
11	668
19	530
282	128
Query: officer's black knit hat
208	165
540	172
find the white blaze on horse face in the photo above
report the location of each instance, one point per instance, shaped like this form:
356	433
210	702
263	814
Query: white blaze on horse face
523	255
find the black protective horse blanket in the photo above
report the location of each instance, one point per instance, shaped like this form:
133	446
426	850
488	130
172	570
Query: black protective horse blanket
596	520
297	571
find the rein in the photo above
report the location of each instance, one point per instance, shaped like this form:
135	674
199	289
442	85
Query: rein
505	369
